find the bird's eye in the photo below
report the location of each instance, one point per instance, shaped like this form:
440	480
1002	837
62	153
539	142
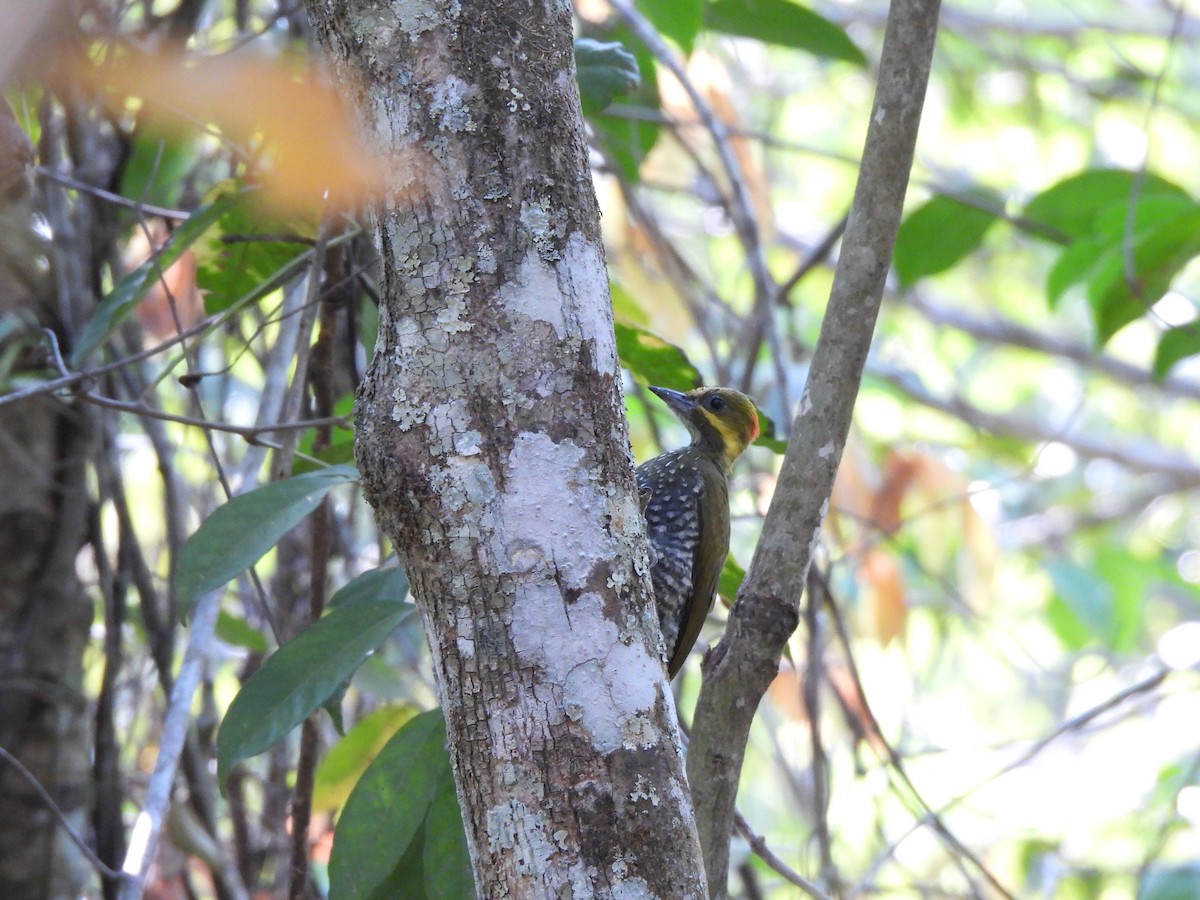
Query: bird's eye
716	404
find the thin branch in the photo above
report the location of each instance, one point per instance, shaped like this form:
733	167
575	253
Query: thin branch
742	666
995	330
896	765
250	433
70	379
1141	457
759	845
813	676
59	816
140	208
147	828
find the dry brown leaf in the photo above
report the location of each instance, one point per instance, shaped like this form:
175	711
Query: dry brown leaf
174	302
883	608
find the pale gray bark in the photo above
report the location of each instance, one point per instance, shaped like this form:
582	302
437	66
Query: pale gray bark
493	446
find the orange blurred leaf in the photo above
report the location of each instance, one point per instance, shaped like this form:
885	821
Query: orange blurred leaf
884	608
289	125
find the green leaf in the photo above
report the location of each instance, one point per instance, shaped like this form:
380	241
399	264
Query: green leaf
387	810
627	141
680	20
447	863
340	769
157	165
1081	611
380	583
626	308
239	633
129	291
784	24
605	71
1073	205
1175	344
651	360
766	435
939	234
248	256
333	706
300	676
241	531
1102	602
1159	253
1074	265
731	579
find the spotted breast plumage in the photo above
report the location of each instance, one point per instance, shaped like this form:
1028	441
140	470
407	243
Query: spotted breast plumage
686	499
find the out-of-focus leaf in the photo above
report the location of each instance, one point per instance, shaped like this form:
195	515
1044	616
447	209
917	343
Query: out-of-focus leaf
626	308
785	24
1175	344
339	453
340	769
380	583
628	141
241	531
651	360
766	435
341	448
248	255
731	579
1074	266
333	707
680	20
1072	206
239	633
1160	252
1101	603
447	864
1081	611
155	170
1180	882
605	72
387	811
125	295
313	158
937	235
300	676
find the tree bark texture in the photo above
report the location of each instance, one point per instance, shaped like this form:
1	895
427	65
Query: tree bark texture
45	615
493	446
744	663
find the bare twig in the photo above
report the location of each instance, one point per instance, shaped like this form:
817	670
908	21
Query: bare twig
59	816
108	196
759	845
933	818
1141	457
147	828
813	677
250	433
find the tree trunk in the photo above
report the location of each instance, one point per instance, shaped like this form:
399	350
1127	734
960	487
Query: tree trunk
45	615
493	446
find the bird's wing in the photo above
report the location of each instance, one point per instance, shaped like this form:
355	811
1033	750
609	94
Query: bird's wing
673	526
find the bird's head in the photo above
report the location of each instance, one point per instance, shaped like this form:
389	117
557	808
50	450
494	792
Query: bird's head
721	420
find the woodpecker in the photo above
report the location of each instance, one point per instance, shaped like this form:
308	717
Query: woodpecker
685	495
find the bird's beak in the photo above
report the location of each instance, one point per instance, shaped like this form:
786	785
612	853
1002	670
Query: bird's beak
679	402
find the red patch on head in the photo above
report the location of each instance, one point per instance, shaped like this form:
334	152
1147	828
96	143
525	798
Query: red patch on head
754	430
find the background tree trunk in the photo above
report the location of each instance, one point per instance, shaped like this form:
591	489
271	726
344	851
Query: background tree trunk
493	446
45	615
